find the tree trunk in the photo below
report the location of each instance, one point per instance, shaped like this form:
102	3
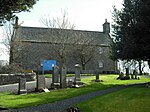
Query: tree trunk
11	58
83	66
140	67
149	64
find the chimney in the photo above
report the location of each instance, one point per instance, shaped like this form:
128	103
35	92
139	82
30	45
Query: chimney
106	27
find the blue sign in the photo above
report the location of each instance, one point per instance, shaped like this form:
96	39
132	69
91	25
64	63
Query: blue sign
48	64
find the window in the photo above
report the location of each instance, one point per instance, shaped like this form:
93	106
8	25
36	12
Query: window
100	50
100	64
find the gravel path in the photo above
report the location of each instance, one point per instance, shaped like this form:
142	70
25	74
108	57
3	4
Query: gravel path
59	106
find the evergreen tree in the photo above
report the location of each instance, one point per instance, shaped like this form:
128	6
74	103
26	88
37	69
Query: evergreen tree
131	30
9	7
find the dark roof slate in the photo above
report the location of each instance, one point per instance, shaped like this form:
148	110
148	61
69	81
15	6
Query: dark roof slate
49	34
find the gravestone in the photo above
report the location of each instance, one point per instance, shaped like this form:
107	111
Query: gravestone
135	74
55	77
97	76
63	77
22	86
132	76
70	83
77	73
77	79
127	73
121	75
40	82
55	74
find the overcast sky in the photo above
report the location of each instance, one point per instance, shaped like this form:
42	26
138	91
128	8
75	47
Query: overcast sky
85	14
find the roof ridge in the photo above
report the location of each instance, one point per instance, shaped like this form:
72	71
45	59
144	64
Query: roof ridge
58	29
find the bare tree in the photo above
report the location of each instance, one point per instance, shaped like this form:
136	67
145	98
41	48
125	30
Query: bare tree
15	48
85	52
67	42
60	38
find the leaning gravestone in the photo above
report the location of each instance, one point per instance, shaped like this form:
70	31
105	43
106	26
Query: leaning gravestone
22	86
63	77
40	82
55	77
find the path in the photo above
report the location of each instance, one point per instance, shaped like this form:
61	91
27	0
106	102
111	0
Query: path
59	106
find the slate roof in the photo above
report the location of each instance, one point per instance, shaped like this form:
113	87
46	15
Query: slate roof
38	34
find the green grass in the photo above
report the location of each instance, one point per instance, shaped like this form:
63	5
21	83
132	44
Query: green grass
68	75
18	101
48	75
132	99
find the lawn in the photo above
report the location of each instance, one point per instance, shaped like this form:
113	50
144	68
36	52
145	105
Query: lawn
132	99
18	101
68	75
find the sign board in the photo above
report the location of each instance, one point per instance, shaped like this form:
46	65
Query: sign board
48	64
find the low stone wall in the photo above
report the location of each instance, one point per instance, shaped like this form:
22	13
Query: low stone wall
14	78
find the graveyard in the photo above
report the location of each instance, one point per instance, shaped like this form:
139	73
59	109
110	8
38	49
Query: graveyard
76	91
50	63
13	101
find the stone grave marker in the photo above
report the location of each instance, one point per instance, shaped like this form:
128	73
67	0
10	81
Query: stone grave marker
77	79
127	73
97	76
55	77
55	74
22	86
77	73
63	77
70	83
40	82
135	74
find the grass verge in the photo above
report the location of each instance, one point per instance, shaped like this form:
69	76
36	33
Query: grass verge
132	99
68	75
8	100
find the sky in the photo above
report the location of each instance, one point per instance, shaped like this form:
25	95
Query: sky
85	14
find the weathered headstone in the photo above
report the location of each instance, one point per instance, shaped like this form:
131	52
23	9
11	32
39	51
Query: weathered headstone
40	82
132	76
70	83
55	74
22	86
97	76
121	75
55	77
77	73
135	74
63	77
77	79
127	73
